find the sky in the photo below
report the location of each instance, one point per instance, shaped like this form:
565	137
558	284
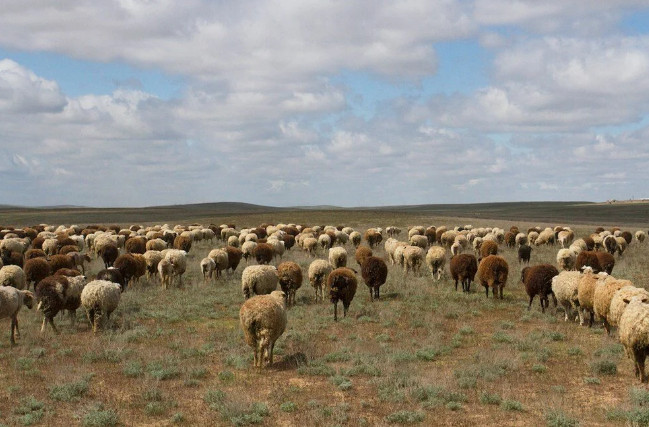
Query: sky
301	102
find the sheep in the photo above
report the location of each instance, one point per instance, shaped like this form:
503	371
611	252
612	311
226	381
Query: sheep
362	253
355	238
640	236
488	248
524	254
413	257
136	245
456	249
538	281
234	257
610	244
606	261
290	279
390	247
586	292
263	320
545	237
259	280
57	293
324	240
618	305
156	245
587	259
622	244
36	269
182	243
463	269
532	236
208	266
634	332
436	259
108	254
477	245
221	261
628	237
564	287
12	275
419	240
374	272
417	230
565	237
602	297
493	271
510	239
566	259
309	244
34	253
448	238
373	237
100	298
247	249
11	301
342	286
521	239
318	272
112	275
152	258
178	260
338	257
263	253
166	271
127	265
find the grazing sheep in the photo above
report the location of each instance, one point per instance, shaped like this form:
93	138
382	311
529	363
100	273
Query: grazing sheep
58	293
109	254
342	286
263	320
606	261
259	280
221	261
362	253
34	253
12	275
413	257
355	238
545	237
621	245
640	236
135	245
419	240
463	269
127	265
290	279
11	301
521	239
392	231
510	239
628	237
524	254
610	244
310	244
565	237
373	237
488	248
390	248
634	332
564	287
586	292
602	297
100	298
374	272
587	259
182	243
178	260
61	261
36	269
152	258
430	233
566	259
532	236
324	240
493	271
208	266
50	246
338	257
477	245
436	259
156	245
234	257
618	305
112	275
247	249
277	245
166	272
263	253
318	272
538	281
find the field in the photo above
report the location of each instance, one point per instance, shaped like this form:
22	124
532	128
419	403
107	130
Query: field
424	354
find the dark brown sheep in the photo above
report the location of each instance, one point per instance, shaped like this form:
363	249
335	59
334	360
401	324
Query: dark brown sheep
599	230
342	285
289	241
34	253
590	243
606	261
514	229
61	261
493	271
135	245
489	247
64	240
67	249
68	272
263	253
12	258
128	266
538	281
463	269
627	236
37	243
587	258
510	239
610	244
183	243
234	257
362	253
375	273
169	238
50	294
524	253
30	232
36	269
109	254
290	279
141	266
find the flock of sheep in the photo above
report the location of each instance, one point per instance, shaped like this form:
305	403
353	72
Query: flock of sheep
54	260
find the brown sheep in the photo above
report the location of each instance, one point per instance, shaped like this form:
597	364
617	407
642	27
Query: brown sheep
183	243
12	258
493	271
34	253
289	241
68	272
627	236
524	253
61	261
489	247
538	281
374	272
135	245
234	257
606	261
112	275
463	269
590	243
510	239
431	235
109	254
587	259
37	243
342	285
128	266
263	253
290	279
373	237
362	253
36	269
67	249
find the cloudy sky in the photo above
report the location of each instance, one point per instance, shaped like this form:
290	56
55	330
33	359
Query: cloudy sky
282	102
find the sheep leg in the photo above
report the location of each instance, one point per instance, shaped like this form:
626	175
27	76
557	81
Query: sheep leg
639	357
14	325
43	325
378	293
336	311
486	288
73	317
592	318
607	327
51	322
345	308
455	285
272	347
371	293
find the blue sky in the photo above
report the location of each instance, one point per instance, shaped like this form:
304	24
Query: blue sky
137	103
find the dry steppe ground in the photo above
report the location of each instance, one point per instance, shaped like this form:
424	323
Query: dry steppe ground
424	354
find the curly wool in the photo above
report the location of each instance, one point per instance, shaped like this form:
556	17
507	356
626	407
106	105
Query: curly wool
493	271
603	295
258	280
566	259
13	275
263	320
100	298
436	259
374	272
338	257
318	273
564	286
618	305
634	333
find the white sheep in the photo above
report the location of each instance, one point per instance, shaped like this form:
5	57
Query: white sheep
355	237
564	287
634	332
618	304
11	301
640	236
152	259
178	260
263	320
100	298
419	241
521	239
436	259
338	257
318	272
208	266
166	272
413	257
12	275
247	248
566	259
259	280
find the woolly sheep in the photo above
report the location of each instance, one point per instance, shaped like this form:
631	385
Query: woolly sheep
36	269
565	237
112	275
622	244
277	245
538	281
259	280
610	244
390	246
566	259
152	259
221	261
208	266
355	238
618	304
338	257
603	295
374	272
324	240
524	254
12	275
413	257
477	245
100	298
634	333
247	249
521	239
419	240
586	292
310	245
373	237
342	284
156	245
178	260
606	261
58	293
318	273
11	301
587	259
361	254
436	259
489	247
493	271
166	272
263	320
290	279
532	236
564	287
640	236
463	269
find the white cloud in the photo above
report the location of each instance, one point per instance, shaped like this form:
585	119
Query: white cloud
21	91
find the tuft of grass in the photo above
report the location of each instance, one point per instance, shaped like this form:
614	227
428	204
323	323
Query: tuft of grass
133	369
639	396
405	417
487	398
288	407
31	411
97	416
502	337
539	369
557	418
214	398
70	392
604	367
592	380
511	405
161	372
341	382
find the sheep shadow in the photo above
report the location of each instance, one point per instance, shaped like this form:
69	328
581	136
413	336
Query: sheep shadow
290	362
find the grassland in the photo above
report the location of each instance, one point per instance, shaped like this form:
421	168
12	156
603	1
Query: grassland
424	354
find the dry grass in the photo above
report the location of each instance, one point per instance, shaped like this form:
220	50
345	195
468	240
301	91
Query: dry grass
422	354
